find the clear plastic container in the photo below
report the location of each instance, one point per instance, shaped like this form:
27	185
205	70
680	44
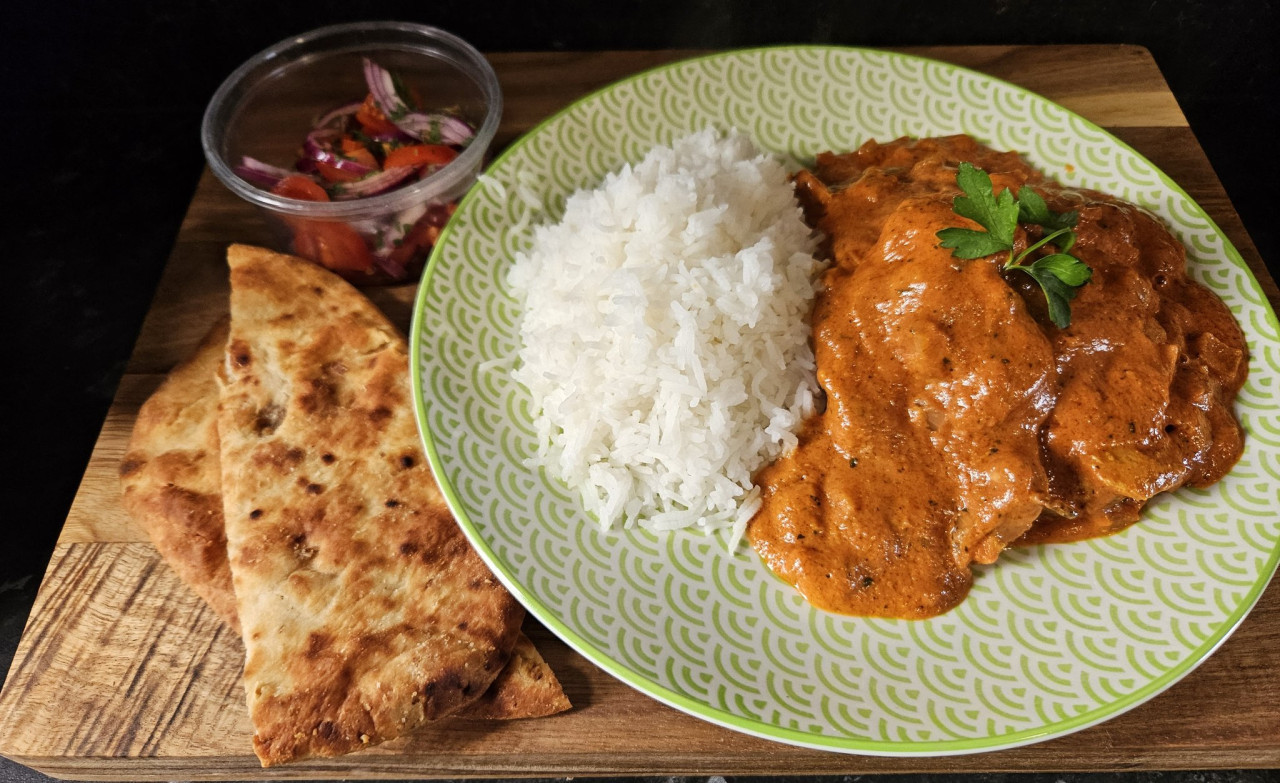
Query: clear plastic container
266	108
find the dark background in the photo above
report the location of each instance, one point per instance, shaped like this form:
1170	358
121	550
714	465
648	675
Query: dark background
100	105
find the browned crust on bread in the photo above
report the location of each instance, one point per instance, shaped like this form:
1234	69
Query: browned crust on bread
526	688
365	612
170	476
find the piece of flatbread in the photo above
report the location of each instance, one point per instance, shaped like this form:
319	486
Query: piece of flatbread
170	476
365	612
172	484
526	688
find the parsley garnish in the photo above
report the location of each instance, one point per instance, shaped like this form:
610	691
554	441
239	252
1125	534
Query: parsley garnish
403	94
1059	274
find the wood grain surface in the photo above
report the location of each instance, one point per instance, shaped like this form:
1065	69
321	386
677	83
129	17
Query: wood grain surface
122	674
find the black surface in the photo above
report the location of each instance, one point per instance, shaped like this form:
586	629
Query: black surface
100	115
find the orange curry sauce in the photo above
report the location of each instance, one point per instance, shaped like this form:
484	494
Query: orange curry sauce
959	420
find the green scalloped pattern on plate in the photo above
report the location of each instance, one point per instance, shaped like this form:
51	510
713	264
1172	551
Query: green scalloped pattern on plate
1051	640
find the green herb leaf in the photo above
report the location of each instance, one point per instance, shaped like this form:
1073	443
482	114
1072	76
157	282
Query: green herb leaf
968	243
398	85
998	215
1057	293
1032	209
1066	268
1058	274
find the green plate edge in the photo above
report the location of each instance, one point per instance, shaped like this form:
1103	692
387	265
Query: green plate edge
760	728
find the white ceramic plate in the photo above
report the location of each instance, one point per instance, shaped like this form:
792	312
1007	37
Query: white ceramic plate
1051	639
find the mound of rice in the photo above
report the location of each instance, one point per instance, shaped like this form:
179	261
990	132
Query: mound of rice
665	334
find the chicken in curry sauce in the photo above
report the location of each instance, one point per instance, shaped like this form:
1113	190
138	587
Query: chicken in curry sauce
959	419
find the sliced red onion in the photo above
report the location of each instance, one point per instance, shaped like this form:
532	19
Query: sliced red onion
387	264
398	137
264	175
345	110
451	130
319	141
371	186
383	88
345	164
417	124
318	148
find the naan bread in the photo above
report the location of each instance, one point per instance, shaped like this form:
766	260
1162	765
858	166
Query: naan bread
170	475
526	688
365	612
172	485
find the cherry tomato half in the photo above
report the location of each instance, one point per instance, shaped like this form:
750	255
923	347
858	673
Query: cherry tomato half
333	245
420	155
422	237
300	187
372	119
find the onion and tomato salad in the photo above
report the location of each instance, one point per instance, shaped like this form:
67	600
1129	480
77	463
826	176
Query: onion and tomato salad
362	149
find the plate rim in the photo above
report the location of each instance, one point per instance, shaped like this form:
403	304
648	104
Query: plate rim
758	728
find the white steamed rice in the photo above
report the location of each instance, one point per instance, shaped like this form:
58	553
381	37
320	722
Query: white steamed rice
665	334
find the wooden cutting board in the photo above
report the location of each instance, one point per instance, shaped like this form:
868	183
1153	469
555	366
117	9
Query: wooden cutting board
122	674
